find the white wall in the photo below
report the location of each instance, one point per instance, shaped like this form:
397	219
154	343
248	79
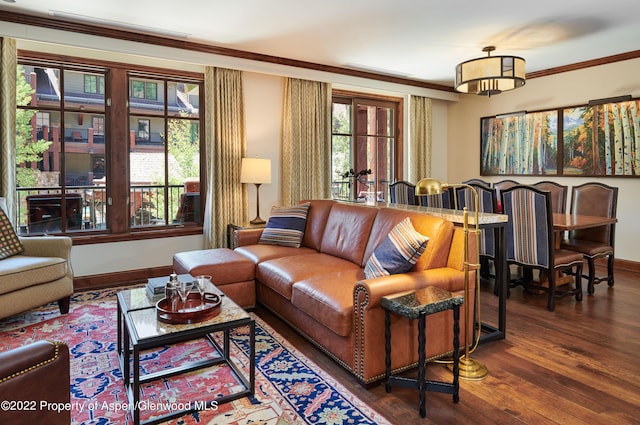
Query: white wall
567	89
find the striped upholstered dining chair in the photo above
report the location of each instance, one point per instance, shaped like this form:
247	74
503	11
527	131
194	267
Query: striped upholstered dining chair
442	200
402	192
531	244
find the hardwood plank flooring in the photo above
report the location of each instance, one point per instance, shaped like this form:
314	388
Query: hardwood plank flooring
577	365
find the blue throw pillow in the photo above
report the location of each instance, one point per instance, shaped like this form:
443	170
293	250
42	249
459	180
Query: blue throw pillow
398	252
286	226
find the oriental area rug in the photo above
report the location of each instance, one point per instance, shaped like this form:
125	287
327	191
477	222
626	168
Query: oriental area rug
289	387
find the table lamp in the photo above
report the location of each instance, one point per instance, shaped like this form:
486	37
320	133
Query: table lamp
256	171
470	369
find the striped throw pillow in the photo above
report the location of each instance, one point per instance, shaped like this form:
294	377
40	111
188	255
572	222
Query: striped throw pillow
286	226
9	242
398	252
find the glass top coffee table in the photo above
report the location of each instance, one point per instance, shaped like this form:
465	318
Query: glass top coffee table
139	330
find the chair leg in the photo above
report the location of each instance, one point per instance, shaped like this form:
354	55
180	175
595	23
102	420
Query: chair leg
579	282
592	276
552	290
63	304
610	270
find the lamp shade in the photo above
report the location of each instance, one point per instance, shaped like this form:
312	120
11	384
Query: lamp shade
255	170
491	74
428	186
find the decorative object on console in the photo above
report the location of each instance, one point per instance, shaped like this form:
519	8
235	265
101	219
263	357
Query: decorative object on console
470	369
490	75
398	252
286	226
256	171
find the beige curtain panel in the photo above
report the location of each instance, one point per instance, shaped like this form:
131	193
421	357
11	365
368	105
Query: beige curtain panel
420	138
306	141
227	199
8	64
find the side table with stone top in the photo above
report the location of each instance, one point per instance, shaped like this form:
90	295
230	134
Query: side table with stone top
418	305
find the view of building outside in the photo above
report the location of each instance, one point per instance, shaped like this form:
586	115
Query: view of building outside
64	150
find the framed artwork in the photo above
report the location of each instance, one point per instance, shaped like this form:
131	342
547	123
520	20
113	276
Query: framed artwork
599	139
520	144
602	140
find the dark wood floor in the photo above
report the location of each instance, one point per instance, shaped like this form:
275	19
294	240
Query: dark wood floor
577	365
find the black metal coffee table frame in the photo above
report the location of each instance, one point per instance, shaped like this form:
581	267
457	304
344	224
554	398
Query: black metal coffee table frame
130	348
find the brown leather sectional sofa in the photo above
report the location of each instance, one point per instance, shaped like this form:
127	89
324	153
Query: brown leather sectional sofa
34	384
320	288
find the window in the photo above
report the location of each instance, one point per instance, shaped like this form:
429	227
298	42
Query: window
143	130
97	124
95	173
364	141
144	90
93	84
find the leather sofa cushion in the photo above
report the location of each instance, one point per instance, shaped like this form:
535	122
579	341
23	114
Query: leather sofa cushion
439	231
347	231
281	273
316	221
260	252
21	271
222	264
328	298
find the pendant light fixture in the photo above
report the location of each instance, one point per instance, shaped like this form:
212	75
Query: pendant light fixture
490	75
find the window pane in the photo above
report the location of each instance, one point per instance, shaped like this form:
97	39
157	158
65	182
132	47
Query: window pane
146	97
183	99
147	187
82	92
43	83
340	164
184	170
146	131
341	120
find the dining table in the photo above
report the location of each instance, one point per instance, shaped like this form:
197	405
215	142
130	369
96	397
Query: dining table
563	222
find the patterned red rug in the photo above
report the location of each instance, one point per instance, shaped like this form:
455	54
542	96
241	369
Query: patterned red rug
290	388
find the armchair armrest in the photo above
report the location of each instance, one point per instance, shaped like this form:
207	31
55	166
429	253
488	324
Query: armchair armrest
37	373
47	246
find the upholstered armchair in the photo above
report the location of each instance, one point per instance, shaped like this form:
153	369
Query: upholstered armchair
34	271
35	375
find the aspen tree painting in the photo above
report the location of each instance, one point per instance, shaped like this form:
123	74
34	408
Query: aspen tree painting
602	140
524	144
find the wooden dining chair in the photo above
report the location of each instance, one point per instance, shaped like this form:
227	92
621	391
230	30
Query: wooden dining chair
558	194
402	192
596	199
531	242
487	203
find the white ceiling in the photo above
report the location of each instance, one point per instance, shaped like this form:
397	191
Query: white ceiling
417	39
